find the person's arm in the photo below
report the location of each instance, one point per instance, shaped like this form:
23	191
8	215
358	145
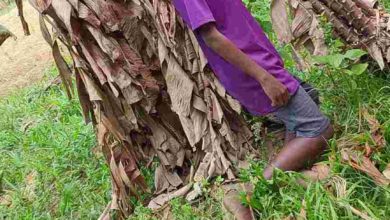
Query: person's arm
275	90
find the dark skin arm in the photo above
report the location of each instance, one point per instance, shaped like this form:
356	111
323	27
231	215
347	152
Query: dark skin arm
275	90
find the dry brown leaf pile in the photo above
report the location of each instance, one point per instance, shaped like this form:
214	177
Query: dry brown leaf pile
142	81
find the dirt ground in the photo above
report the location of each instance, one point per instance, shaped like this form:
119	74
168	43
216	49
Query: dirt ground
22	61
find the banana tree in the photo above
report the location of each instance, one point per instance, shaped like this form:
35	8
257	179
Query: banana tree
143	82
361	24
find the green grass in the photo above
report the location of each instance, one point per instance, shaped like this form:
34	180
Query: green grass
9	6
47	168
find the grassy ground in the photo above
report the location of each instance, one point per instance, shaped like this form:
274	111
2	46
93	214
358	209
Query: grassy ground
48	169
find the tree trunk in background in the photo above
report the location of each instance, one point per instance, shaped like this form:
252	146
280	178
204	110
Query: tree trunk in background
142	80
19	5
360	23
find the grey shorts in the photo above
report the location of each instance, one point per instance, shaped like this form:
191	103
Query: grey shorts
302	116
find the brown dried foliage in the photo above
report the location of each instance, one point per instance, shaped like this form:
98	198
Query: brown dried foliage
360	23
5	34
142	80
19	5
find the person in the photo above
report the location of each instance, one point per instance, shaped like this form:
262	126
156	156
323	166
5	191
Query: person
252	71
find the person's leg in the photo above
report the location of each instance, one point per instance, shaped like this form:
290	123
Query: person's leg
298	152
289	136
312	129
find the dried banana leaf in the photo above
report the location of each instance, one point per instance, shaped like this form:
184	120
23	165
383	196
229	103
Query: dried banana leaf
5	34
142	80
19	5
360	23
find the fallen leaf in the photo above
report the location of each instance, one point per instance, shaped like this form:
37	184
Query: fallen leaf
365	165
375	129
339	185
27	124
30	185
5	200
195	193
302	214
386	172
162	199
357	212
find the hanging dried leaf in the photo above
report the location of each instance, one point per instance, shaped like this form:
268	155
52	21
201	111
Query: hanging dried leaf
367	3
179	87
5	34
306	28
376	54
280	22
40	5
63	69
360	23
19	5
140	77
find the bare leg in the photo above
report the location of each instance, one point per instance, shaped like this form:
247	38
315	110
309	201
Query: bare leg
298	152
289	136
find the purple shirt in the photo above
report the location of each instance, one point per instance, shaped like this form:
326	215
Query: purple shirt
234	21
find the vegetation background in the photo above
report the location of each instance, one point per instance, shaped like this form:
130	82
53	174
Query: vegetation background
49	168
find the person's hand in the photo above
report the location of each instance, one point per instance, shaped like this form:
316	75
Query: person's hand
276	91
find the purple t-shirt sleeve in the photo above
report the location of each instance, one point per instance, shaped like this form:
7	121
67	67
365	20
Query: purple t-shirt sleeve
194	12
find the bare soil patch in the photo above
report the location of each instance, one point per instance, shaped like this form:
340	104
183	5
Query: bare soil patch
22	61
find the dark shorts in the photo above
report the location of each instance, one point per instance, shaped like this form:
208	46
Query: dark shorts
302	116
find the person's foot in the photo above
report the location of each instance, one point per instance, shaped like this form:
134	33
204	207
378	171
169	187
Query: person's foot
317	173
232	202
